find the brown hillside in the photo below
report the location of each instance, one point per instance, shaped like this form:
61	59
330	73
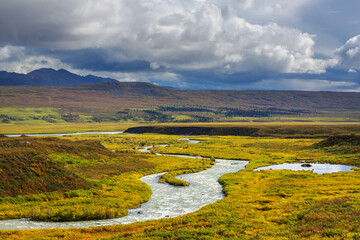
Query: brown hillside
27	168
106	99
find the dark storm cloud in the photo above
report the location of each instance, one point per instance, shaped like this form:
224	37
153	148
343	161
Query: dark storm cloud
200	43
333	80
35	22
97	60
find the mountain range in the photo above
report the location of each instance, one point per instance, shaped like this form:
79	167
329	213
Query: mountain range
48	77
104	99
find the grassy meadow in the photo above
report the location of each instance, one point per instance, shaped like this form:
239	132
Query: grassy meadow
268	204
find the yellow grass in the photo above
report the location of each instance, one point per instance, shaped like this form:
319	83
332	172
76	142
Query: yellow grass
258	204
17	128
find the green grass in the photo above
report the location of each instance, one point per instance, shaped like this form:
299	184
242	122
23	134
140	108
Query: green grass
39	115
30	115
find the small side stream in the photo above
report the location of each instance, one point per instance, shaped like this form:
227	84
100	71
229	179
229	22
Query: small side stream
61	134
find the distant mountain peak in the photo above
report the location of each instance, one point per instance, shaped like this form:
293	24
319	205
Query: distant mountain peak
44	69
49	77
62	70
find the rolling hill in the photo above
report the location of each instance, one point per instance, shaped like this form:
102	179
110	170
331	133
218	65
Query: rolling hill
139	101
25	167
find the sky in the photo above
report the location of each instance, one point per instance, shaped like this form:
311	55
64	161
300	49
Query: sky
189	44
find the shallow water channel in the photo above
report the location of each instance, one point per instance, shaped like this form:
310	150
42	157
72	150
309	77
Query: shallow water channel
166	200
315	167
60	134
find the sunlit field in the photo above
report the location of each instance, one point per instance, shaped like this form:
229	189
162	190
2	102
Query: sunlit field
268	204
19	120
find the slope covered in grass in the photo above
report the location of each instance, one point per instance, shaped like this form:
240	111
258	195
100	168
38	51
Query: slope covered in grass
27	171
39	165
116	101
25	167
350	140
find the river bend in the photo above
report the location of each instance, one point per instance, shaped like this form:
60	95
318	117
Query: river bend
166	200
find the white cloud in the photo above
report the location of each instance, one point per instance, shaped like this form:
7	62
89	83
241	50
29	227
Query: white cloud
8	53
168	77
349	54
154	65
284	12
16	59
352	70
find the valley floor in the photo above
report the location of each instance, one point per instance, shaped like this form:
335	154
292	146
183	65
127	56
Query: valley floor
269	204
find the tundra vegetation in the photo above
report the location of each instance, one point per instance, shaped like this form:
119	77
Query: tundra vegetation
56	179
269	204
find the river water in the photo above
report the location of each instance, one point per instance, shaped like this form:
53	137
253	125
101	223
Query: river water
165	201
60	134
315	167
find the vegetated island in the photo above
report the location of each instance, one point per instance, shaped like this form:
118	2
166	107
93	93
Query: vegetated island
235	131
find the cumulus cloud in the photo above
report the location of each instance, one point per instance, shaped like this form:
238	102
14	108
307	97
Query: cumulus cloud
18	59
179	35
10	53
283	12
184	43
349	54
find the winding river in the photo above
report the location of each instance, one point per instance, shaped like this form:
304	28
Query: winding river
166	200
